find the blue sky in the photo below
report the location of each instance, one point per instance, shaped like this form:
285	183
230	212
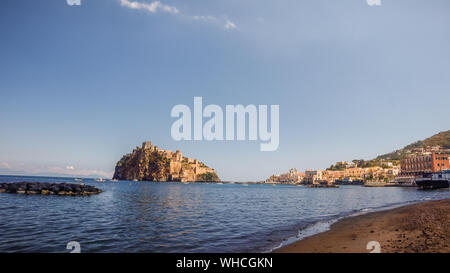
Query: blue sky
82	85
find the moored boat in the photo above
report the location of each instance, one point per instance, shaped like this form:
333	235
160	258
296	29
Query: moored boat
375	184
438	180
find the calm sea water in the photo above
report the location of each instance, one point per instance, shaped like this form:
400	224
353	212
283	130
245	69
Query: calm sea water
174	217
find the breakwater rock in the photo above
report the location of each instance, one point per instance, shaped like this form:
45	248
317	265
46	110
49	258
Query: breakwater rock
48	188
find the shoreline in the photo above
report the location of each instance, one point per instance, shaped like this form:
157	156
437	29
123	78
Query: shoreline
414	228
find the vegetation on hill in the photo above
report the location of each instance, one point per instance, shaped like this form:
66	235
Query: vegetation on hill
208	177
338	167
143	165
441	139
361	163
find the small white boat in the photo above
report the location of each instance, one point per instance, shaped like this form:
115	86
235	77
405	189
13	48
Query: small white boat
100	180
78	179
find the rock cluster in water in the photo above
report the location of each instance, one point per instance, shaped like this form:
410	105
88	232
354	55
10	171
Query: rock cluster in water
48	188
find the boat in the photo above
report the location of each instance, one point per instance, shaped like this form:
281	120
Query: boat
78	179
438	180
322	186
100	180
375	184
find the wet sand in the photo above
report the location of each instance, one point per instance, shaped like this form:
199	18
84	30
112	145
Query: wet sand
418	228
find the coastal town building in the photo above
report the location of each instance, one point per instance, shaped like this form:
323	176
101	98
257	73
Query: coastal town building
291	177
332	176
399	168
346	164
313	177
352	174
426	163
386	163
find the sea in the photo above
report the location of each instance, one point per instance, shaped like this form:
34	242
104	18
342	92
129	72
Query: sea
131	216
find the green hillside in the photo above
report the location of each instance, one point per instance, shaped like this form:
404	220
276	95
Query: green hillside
441	139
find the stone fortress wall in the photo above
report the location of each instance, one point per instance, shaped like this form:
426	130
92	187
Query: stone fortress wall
181	168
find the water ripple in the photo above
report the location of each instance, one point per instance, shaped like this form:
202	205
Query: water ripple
172	217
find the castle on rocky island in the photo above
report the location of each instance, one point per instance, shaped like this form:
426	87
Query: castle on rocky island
150	163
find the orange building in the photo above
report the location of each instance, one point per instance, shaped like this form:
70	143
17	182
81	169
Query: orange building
354	172
333	175
431	163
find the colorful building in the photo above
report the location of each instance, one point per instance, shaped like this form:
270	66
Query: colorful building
428	163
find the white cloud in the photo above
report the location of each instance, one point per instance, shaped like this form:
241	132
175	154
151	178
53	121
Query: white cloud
152	7
73	172
230	25
157	6
5	165
73	2
221	20
374	2
204	18
35	169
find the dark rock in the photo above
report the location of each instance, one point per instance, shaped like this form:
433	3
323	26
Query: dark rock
34	187
48	188
55	188
13	187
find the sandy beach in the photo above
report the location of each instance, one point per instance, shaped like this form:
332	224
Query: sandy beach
418	228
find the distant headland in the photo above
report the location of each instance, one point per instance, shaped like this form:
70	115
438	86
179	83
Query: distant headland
150	163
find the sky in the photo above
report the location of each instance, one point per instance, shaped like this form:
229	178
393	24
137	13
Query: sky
82	85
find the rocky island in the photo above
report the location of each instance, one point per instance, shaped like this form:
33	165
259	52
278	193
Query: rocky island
150	163
48	188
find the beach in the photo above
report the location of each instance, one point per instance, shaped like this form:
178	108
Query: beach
417	228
